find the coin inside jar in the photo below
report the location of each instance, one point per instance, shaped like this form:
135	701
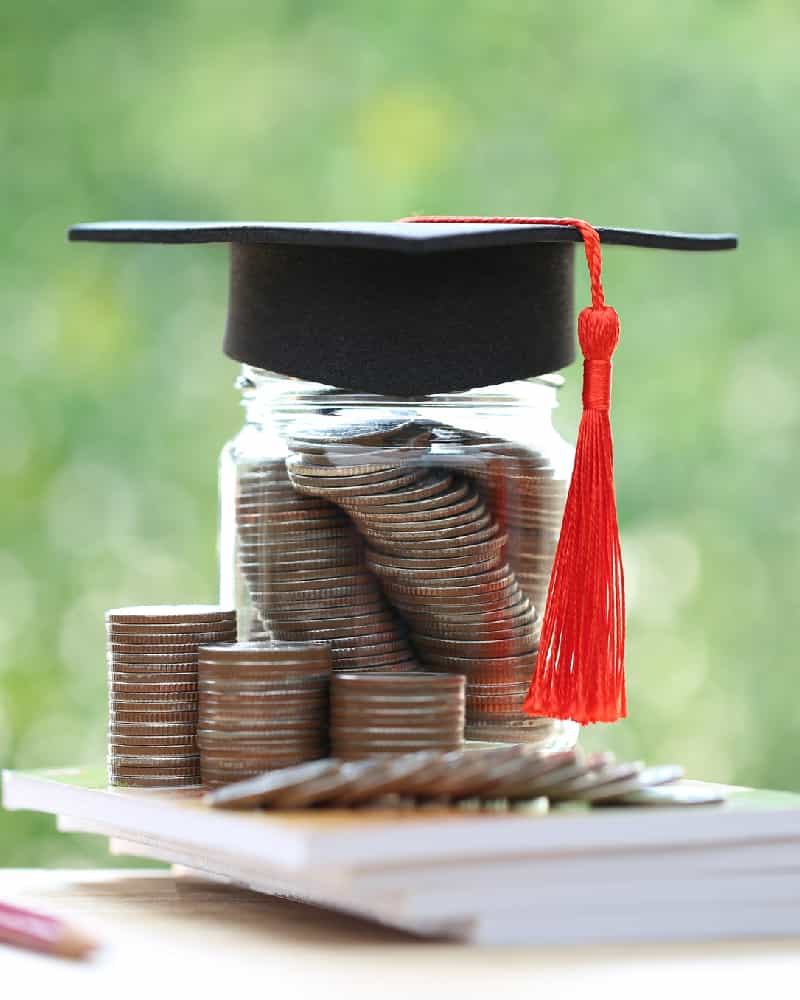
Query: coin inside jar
443	536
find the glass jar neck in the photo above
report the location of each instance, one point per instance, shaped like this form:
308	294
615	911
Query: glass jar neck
267	397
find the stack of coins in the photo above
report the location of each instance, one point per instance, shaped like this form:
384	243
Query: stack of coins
374	714
263	705
152	690
303	562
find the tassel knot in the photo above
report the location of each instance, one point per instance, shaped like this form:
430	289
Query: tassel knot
598	332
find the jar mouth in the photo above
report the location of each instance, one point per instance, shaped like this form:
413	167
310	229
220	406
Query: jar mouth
258	385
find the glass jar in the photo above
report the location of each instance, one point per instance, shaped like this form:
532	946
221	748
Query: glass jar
408	533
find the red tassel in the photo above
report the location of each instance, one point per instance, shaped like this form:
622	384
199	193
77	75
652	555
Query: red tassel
579	673
580	669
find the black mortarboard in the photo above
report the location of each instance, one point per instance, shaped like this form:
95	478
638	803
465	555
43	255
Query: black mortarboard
398	308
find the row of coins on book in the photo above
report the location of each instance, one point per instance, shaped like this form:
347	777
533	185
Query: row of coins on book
510	774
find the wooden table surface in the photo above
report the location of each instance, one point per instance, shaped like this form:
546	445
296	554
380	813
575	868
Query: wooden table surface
179	932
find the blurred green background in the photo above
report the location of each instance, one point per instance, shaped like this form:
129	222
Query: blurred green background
116	399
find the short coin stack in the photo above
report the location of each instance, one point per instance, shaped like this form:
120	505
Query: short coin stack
153	692
263	705
374	714
303	562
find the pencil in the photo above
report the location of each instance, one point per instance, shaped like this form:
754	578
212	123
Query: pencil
41	932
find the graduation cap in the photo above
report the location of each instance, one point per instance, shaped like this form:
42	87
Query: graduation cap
441	304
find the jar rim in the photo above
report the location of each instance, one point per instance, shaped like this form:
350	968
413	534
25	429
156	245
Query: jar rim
257	382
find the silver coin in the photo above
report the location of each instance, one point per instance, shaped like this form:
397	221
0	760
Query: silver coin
153	781
302	559
170	614
550	779
452	597
155	760
143	676
648	777
491	631
596	769
264	652
432	546
407	666
366	604
292	617
670	796
159	727
460	775
475	617
358	578
261	791
327	430
360	495
316	573
477	648
411	581
177	639
384	777
430	491
159	742
457	555
534	771
317	597
448	503
321	788
328	476
351	636
167	628
475	519
442	605
293	548
153	662
401	661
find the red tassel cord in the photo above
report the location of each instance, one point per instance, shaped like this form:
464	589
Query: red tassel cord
580	667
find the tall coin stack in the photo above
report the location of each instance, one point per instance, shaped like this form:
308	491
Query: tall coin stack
153	692
303	563
263	706
374	714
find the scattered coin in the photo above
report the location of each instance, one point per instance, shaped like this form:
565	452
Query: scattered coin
667	796
261	790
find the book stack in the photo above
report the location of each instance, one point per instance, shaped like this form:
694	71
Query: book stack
573	874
